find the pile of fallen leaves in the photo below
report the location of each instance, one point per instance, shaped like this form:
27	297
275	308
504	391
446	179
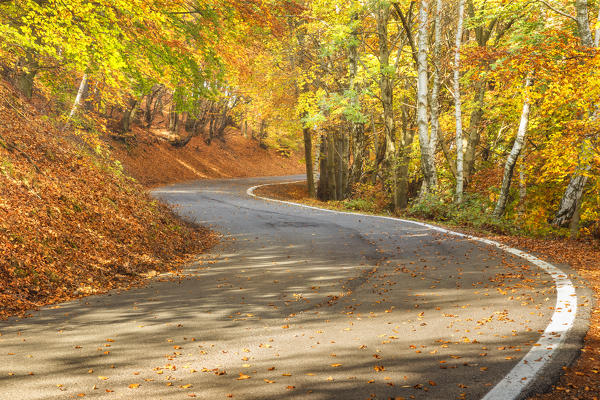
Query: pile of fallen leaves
71	223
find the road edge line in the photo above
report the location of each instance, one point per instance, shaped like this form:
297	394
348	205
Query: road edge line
523	377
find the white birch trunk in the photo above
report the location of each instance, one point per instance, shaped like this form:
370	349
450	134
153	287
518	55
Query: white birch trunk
435	91
78	99
583	23
427	164
458	105
597	36
515	152
80	94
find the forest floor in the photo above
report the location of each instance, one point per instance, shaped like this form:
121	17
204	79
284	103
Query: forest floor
152	161
580	380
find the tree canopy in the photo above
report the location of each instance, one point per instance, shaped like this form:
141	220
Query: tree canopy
434	105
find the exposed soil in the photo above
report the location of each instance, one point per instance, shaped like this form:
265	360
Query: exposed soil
154	162
580	380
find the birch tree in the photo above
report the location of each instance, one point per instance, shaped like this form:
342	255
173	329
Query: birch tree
83	86
435	90
458	105
515	152
573	194
427	164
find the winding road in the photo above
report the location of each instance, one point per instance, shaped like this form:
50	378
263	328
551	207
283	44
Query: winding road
304	303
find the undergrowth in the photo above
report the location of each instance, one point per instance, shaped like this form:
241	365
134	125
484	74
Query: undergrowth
475	211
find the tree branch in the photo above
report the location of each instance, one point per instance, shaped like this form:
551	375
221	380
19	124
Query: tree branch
564	14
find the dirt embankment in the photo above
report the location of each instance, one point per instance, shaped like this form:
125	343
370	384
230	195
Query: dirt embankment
71	223
154	162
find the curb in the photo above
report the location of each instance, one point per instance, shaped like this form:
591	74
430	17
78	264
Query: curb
559	345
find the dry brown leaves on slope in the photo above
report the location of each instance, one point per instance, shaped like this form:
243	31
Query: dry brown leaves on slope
153	161
70	223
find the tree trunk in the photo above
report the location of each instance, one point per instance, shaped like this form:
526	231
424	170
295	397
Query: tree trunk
574	225
583	23
262	133
427	164
447	155
386	86
323	189
573	195
458	105
155	98
173	120
356	128
515	152
24	75
128	115
574	191
245	129
435	91
522	187
597	34
83	87
474	136
404	159
331	161
310	174
339	172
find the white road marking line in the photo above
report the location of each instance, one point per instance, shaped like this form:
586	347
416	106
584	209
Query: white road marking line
517	380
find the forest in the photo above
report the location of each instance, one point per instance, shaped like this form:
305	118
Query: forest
483	107
124	122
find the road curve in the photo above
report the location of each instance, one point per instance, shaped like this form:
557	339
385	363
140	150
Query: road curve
295	303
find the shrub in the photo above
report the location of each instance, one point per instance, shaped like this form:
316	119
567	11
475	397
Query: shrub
475	211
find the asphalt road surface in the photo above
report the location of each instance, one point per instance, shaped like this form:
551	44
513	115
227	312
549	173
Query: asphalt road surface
295	303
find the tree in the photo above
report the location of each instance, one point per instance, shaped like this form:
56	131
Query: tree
515	152
458	105
427	161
